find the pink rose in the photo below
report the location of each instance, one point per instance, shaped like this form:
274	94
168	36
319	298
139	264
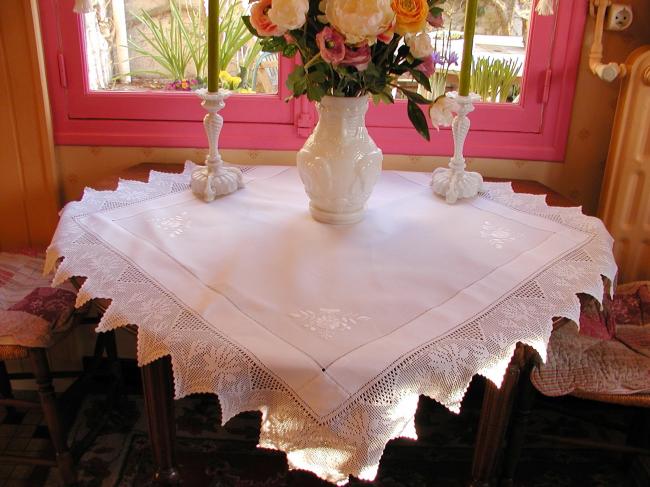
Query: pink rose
331	44
436	21
357	56
260	19
428	66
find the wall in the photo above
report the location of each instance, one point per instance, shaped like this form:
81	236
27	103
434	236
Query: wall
29	186
579	177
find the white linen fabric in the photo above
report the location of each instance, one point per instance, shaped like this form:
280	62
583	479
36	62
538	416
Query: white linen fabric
331	331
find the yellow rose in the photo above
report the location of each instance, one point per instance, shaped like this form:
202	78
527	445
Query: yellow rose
411	15
359	21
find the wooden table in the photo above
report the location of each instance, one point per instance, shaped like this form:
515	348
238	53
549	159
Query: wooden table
495	412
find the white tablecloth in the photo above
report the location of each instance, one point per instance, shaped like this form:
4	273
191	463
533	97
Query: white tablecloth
331	331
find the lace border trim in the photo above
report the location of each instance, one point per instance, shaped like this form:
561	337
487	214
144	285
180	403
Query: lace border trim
351	439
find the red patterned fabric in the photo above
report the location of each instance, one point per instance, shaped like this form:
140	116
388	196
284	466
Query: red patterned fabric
636	338
644	297
632	315
31	252
31	312
578	363
596	321
47	303
611	354
632	304
5	276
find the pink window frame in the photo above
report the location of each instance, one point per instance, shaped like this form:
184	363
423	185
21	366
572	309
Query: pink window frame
536	128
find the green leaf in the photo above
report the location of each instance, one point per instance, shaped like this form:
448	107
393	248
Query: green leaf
273	44
418	119
297	81
402	52
382	96
247	22
290	50
415	97
420	77
372	71
315	92
317	78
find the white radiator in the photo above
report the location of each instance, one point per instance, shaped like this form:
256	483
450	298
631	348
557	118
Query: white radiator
625	196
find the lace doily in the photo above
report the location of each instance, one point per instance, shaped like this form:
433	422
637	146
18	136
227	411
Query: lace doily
351	438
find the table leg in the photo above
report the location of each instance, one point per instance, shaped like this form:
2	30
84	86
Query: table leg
495	415
159	403
517	433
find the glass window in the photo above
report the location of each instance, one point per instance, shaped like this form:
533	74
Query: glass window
153	45
123	75
499	51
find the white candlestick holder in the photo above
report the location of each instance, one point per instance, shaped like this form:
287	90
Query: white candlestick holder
454	182
214	179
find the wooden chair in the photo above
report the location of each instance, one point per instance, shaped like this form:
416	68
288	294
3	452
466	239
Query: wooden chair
33	318
611	369
265	73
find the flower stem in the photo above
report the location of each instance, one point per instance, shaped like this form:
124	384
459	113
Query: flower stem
312	61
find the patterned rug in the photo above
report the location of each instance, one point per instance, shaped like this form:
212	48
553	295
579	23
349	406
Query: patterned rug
215	456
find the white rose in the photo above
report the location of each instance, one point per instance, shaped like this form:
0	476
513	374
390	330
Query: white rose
359	21
442	112
289	14
420	45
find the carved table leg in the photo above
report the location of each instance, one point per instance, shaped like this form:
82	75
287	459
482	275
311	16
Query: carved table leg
41	370
495	413
522	410
5	387
159	403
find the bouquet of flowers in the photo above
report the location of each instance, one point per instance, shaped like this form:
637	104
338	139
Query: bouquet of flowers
353	48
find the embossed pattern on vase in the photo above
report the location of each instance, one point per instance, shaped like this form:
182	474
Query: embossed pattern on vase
340	163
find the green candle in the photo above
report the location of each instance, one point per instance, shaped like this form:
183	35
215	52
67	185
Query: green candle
213	46
468	46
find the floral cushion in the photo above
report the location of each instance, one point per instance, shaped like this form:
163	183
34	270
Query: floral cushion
596	321
632	304
577	362
594	361
632	315
31	313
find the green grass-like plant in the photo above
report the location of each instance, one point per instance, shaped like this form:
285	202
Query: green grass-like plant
494	80
181	47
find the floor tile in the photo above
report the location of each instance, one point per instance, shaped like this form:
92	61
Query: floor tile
8	430
19	483
33	416
22	472
17	445
14	416
39	445
4	440
26	430
41	431
5	471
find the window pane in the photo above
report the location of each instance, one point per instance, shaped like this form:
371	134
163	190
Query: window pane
499	50
143	45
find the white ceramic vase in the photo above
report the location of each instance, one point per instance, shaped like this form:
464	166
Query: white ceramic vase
340	163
